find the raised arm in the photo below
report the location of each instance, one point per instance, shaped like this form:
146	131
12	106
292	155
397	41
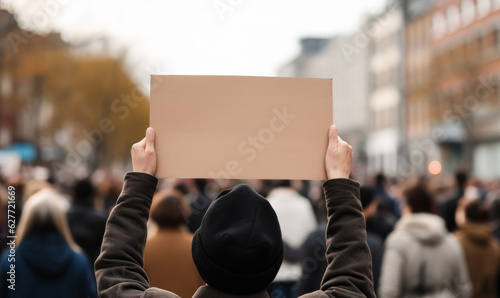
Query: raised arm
119	268
349	271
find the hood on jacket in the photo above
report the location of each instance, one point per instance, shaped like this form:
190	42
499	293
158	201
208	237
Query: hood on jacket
428	229
479	234
47	254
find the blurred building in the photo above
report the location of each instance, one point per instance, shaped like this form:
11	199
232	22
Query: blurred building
386	68
345	59
23	108
465	47
420	112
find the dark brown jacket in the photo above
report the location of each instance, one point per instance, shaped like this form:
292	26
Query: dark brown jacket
119	268
482	252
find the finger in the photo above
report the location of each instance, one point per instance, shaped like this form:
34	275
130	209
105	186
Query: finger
140	144
150	138
333	137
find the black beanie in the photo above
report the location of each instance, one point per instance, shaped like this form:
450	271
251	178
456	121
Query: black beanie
238	247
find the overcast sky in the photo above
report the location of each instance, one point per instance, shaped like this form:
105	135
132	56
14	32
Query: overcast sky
229	37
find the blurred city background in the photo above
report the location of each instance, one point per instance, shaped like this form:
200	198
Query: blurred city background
416	86
416	93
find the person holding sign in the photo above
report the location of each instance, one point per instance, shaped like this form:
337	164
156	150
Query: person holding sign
238	248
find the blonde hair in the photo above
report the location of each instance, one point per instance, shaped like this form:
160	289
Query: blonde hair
46	208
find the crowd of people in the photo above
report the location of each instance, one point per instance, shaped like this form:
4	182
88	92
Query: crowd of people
426	239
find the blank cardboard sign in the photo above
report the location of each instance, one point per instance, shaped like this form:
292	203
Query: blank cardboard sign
238	127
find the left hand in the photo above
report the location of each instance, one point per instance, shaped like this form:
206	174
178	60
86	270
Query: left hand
144	154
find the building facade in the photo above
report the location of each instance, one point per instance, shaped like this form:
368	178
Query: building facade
465	82
421	148
386	102
345	60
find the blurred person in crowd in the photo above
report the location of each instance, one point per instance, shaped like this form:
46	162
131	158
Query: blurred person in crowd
380	223
375	242
167	256
471	194
495	216
387	203
312	259
421	258
33	186
448	208
3	217
482	250
312	254
198	205
238	248
86	224
297	220
48	262
107	189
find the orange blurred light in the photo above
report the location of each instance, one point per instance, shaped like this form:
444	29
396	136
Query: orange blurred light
435	167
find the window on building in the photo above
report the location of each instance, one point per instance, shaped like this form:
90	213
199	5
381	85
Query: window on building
438	25
483	8
480	43
496	38
468	12
452	18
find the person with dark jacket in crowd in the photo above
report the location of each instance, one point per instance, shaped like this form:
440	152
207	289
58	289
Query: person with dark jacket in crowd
421	259
47	262
85	222
482	250
387	203
198	205
448	208
375	242
238	248
495	215
312	254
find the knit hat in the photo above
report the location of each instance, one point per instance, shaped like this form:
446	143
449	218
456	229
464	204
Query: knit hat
238	247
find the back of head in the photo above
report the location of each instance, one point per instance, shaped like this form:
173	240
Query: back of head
200	185
380	179
420	200
477	212
495	209
461	179
83	190
367	195
45	212
238	247
170	209
282	183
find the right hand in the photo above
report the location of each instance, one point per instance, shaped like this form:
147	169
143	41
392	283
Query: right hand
338	158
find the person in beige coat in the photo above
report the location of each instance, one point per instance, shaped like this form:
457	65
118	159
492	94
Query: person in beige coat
167	256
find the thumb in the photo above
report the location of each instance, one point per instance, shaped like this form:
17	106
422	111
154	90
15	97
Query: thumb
150	138
332	136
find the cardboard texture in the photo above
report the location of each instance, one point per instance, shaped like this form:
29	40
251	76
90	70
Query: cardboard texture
237	127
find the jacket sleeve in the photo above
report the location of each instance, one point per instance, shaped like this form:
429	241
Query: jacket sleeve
349	271
119	268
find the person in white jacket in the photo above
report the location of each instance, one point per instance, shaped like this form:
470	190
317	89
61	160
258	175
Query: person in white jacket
421	258
297	221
